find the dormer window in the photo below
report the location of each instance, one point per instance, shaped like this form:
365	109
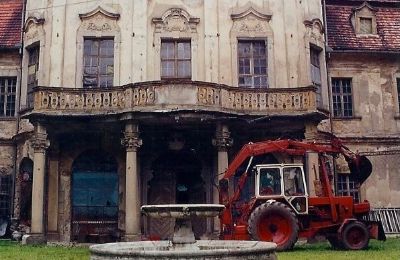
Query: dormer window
364	20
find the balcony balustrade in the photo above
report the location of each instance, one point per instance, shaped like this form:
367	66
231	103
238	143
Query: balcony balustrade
159	96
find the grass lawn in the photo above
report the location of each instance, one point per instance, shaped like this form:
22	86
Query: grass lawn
377	250
388	250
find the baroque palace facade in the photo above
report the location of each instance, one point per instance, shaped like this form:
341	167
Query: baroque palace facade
121	103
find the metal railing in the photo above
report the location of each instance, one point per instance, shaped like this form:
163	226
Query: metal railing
390	218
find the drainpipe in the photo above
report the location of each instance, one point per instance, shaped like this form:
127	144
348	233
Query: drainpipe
327	55
21	51
328	50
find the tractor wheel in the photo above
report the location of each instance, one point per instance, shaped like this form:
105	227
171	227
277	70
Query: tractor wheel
274	222
355	236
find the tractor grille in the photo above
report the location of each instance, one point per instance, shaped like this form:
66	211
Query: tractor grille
390	218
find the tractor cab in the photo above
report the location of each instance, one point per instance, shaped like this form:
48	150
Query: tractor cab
284	182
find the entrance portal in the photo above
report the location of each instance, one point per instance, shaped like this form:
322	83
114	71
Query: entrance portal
94	198
176	180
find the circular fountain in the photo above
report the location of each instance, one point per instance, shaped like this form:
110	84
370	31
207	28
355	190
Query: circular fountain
183	244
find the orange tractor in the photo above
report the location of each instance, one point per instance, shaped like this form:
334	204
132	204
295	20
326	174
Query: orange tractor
270	202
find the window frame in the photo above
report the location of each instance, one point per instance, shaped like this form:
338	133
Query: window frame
347	186
315	53
31	84
99	57
341	96
252	74
6	95
176	58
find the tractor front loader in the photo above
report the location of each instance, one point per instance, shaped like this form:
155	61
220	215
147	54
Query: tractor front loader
270	202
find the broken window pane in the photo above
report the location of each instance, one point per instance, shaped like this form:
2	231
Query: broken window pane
98	59
252	64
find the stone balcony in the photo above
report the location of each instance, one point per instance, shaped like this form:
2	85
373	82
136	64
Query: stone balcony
170	96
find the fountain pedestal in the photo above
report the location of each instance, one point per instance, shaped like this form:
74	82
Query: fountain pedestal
183	244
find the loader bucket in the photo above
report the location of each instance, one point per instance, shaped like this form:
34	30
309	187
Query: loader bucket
360	168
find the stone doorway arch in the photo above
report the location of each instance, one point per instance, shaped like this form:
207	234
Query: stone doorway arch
94	198
176	180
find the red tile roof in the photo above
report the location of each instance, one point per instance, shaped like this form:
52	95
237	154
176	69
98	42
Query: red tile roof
10	23
341	35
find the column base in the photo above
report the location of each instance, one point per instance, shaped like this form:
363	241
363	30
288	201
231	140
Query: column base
34	239
132	237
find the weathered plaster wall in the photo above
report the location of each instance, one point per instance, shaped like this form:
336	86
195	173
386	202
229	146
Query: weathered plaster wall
375	125
375	103
137	52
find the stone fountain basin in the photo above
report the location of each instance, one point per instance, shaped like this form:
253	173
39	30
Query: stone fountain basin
208	249
180	211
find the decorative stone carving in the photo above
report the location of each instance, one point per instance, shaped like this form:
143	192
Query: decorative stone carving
250	20
131	141
99	22
33	29
39	142
140	97
315	30
5	170
222	139
176	19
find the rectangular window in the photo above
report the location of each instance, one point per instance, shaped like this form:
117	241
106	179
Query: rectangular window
252	60
316	72
365	25
342	97
8	86
176	59
5	196
347	186
98	63
33	68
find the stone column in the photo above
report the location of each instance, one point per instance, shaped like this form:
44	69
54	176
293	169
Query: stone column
222	142
132	142
39	144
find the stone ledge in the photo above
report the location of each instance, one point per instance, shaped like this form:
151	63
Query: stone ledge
33	239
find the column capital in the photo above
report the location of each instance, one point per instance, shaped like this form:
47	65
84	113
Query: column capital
40	143
222	138
131	140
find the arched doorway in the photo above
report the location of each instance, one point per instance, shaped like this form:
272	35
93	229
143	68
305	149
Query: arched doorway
176	179
25	182
94	197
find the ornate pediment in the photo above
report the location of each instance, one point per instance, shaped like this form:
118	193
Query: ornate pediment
249	9
99	11
32	21
364	6
176	20
315	31
33	29
249	20
315	25
99	20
